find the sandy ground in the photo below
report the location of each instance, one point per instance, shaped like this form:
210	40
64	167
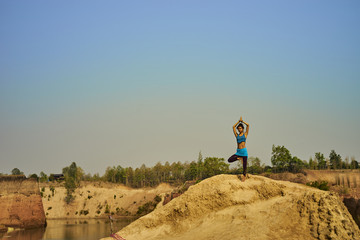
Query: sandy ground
92	199
223	207
345	182
351	176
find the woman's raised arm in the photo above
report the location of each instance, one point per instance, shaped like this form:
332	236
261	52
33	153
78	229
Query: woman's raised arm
234	128
247	128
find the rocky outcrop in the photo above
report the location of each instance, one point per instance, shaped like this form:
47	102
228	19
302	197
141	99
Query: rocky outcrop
20	203
223	207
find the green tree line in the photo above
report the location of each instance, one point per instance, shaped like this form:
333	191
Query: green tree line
282	161
178	172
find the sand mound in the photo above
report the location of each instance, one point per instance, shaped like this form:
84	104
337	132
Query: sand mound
223	207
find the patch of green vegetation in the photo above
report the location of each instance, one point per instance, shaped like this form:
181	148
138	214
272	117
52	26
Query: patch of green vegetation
322	185
69	198
344	191
107	209
149	206
146	208
157	199
84	212
52	189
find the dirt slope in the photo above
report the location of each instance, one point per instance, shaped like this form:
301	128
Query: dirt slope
223	207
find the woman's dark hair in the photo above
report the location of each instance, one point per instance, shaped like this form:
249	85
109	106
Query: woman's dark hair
240	125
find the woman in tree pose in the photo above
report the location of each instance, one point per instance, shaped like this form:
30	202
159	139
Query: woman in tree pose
241	152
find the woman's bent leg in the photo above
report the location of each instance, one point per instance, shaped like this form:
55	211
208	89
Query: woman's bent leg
233	158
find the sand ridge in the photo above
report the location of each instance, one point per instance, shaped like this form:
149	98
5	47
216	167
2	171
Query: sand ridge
223	207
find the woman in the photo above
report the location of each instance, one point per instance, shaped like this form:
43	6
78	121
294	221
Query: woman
241	153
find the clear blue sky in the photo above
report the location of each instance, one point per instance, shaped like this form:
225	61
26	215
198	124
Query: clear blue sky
106	83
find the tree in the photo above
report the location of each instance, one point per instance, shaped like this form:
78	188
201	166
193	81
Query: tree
110	174
43	177
313	164
34	175
16	171
129	173
255	166
354	164
214	166
346	163
335	160
167	171
306	164
79	175
200	166
72	176
96	177
158	172
280	158
177	172
191	173
295	165
321	160
138	178
143	175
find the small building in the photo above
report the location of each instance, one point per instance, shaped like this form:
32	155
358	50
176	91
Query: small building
57	177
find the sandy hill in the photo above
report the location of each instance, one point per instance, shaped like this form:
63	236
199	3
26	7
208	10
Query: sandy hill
223	207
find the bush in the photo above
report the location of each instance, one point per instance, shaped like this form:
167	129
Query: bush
157	199
52	189
322	185
85	212
146	208
69	198
107	209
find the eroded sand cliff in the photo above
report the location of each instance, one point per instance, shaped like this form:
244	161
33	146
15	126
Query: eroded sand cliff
223	207
20	203
98	199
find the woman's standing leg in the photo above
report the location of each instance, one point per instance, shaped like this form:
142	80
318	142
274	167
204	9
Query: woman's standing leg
244	165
